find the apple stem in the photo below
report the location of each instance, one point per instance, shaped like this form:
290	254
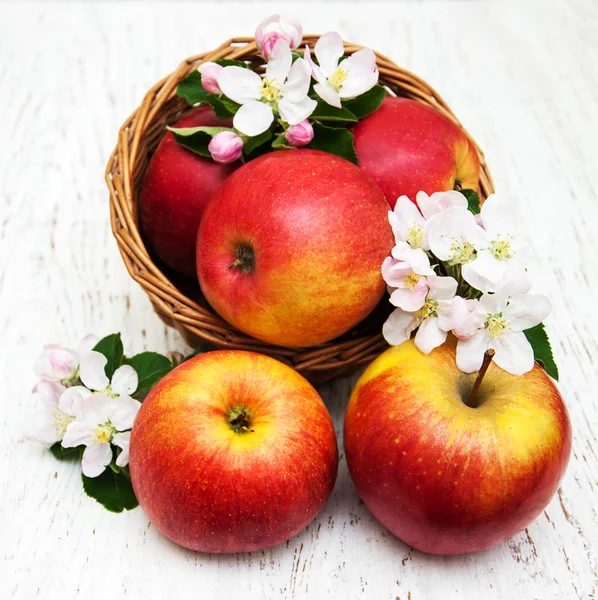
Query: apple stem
245	259
488	356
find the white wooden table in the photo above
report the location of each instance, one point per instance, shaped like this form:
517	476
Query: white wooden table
521	76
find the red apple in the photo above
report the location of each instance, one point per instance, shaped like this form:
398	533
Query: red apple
290	248
407	147
232	452
443	477
176	188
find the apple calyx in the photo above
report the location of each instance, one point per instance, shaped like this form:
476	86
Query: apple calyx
245	259
239	418
488	356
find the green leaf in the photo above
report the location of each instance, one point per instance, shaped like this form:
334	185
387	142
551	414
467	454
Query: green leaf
150	367
473	201
112	348
280	143
325	113
112	490
256	141
229	105
367	103
335	140
538	338
191	90
228	62
196	139
59	451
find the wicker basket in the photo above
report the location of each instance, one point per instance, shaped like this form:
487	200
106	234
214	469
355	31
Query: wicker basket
185	309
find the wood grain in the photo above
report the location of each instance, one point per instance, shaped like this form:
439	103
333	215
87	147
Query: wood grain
522	78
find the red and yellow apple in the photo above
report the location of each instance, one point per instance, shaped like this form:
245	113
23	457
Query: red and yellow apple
407	147
443	477
176	188
232	452
289	249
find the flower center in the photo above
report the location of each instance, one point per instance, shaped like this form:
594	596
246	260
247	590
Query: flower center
429	309
336	80
72	379
462	251
496	326
103	433
62	420
501	247
412	280
271	91
415	236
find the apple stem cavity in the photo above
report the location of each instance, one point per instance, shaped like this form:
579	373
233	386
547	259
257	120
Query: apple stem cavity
245	259
488	356
239	418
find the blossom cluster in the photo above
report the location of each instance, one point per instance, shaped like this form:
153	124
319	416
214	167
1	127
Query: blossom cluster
284	92
83	407
455	271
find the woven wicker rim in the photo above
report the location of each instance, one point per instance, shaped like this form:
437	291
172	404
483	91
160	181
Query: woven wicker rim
138	138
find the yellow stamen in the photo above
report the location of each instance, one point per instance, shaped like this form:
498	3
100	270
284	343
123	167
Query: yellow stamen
62	420
412	280
462	251
429	309
415	236
497	326
271	91
501	247
103	433
336	80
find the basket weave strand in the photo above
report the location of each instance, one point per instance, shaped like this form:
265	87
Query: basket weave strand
195	320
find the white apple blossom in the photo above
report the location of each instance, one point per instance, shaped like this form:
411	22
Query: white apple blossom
122	440
348	78
429	318
504	315
407	278
275	28
502	251
60	364
462	317
454	236
62	406
93	375
209	76
283	91
103	417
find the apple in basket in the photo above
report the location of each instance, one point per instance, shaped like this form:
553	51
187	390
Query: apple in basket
407	147
175	191
290	247
232	452
444	477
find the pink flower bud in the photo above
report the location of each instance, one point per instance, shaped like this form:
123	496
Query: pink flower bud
226	147
275	28
300	134
209	77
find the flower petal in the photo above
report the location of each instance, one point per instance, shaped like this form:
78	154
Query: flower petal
416	258
410	300
122	440
361	73
454	223
56	363
295	112
527	310
125	380
49	393
398	327
470	352
429	335
97	409
328	50
297	84
497	216
96	458
79	433
41	428
71	401
92	371
253	118
280	62
485	272
124	411
514	353
439	202
442	288
315	69
87	344
328	94
240	84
